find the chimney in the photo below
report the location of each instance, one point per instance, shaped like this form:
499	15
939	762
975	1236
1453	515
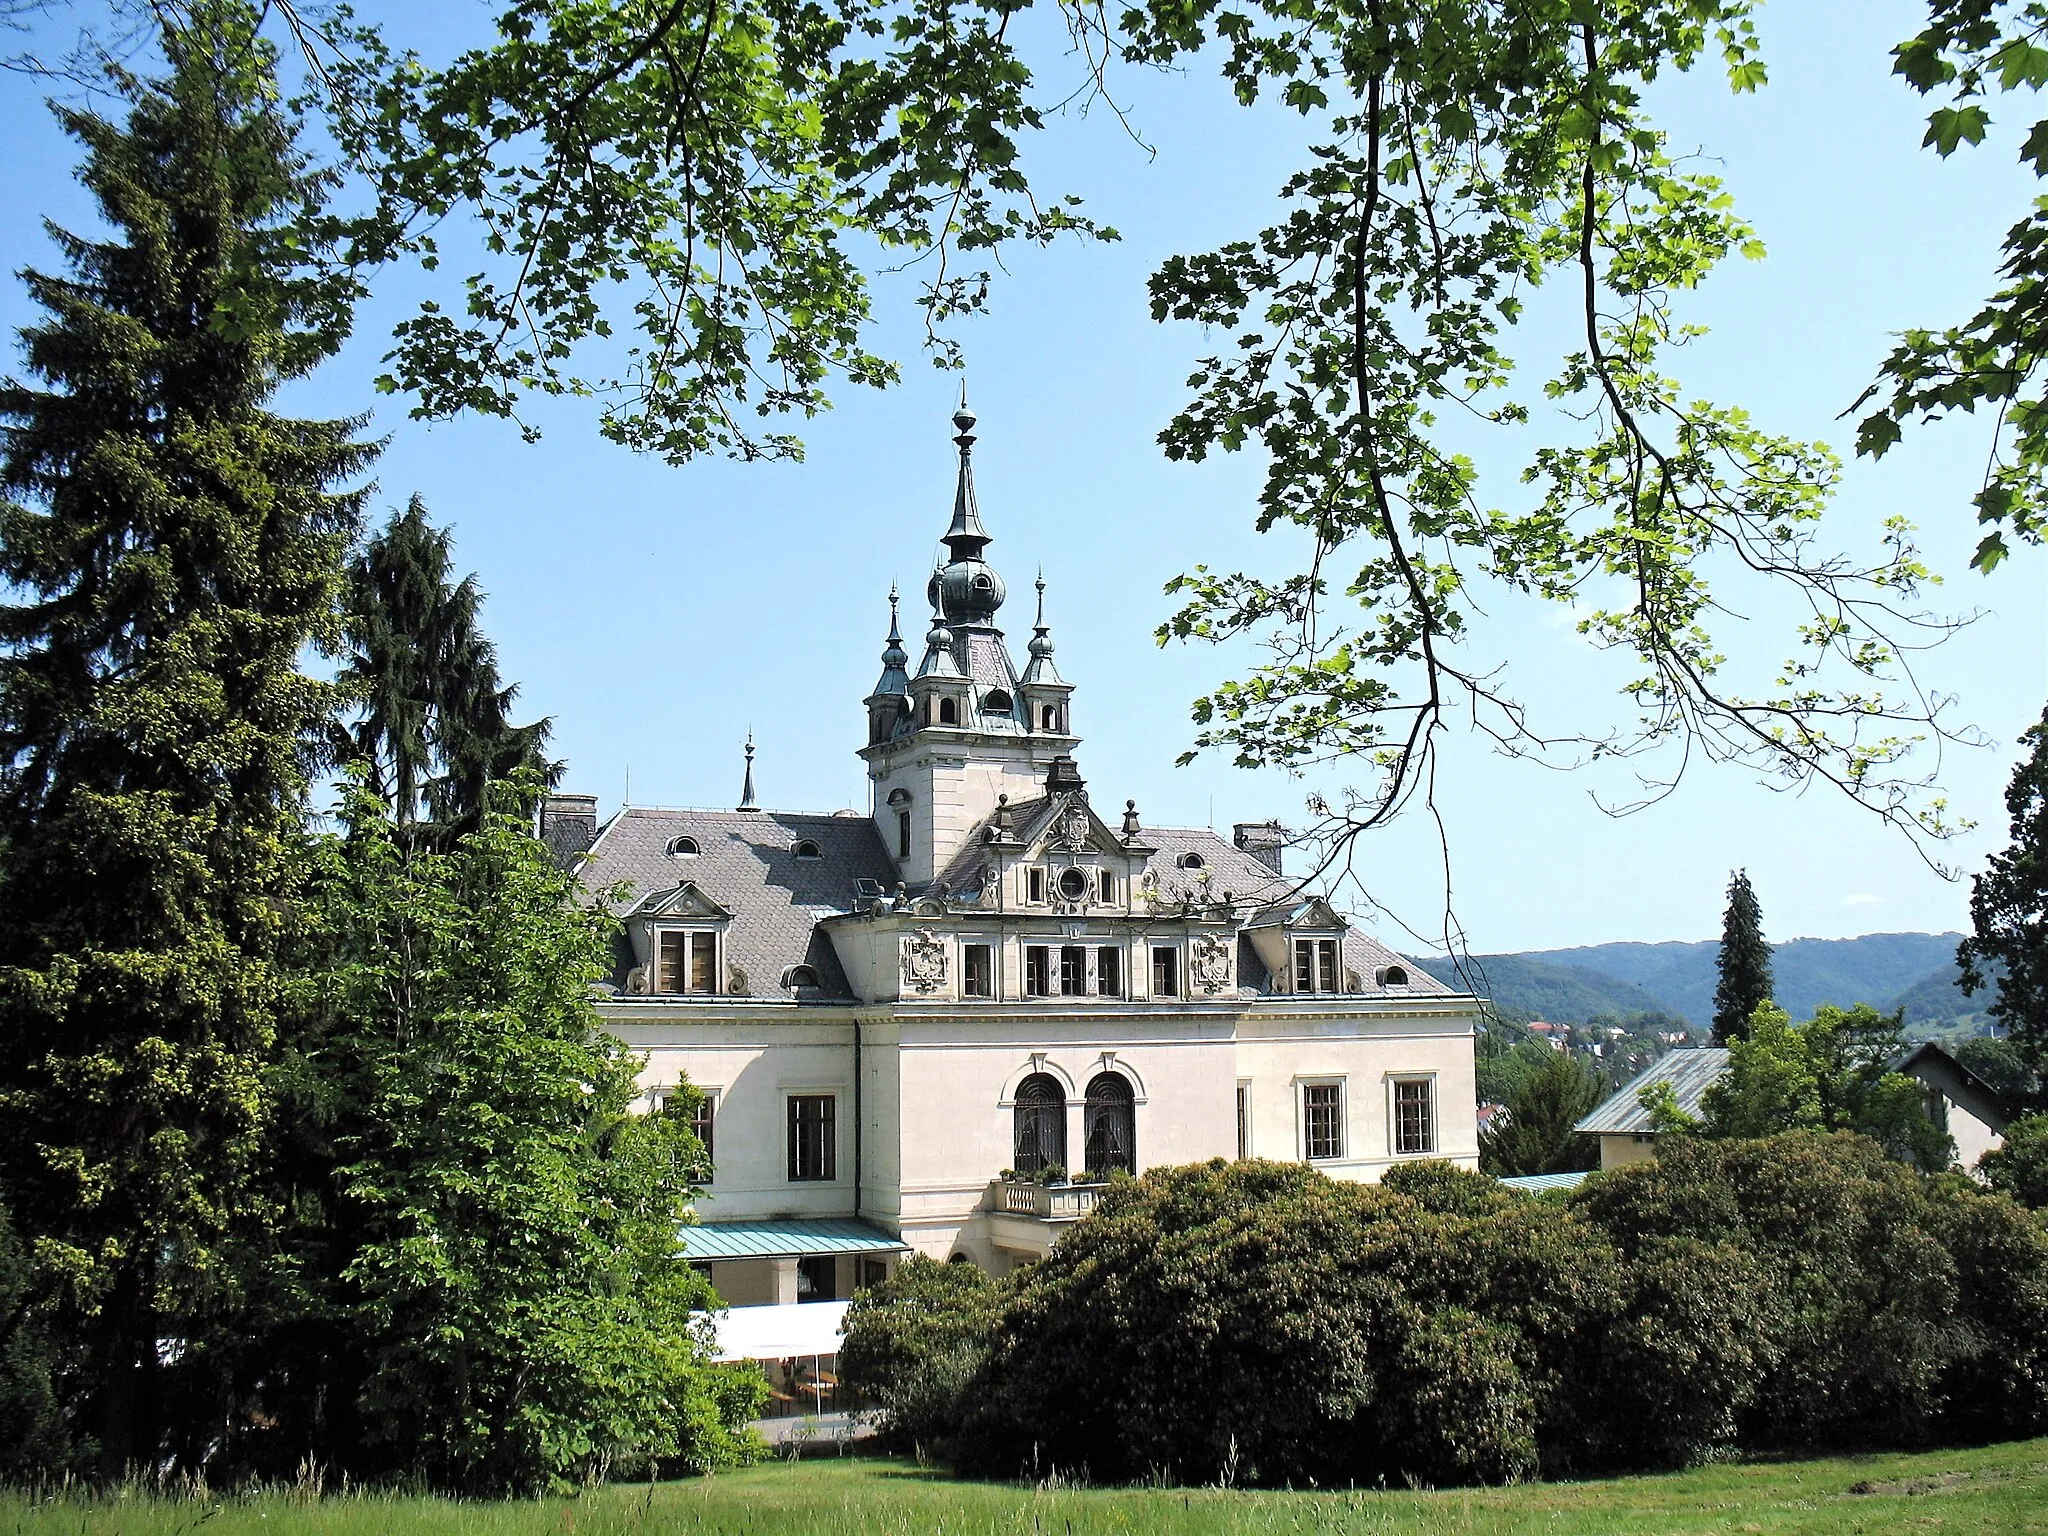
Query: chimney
568	825
1263	840
1062	776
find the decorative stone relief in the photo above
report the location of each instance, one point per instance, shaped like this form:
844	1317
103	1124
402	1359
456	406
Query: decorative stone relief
924	963
991	885
1209	962
1075	829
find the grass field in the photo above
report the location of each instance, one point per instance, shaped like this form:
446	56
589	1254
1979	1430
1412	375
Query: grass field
2000	1489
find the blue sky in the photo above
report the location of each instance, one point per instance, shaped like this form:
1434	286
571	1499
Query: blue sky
659	614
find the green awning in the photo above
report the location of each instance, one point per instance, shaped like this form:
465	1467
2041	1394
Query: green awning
784	1239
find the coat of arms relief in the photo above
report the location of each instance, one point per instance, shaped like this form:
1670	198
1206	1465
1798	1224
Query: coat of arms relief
1209	962
924	963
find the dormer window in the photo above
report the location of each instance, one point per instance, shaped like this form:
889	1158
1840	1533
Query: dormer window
800	976
687	962
1190	861
1315	965
1049	717
996	702
1074	884
807	850
1392	976
683	848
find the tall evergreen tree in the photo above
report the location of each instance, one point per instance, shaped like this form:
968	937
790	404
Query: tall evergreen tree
2008	942
1744	964
170	548
435	724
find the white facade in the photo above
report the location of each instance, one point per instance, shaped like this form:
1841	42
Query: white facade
888	1013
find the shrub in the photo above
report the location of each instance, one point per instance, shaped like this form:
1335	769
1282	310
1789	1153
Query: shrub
913	1343
2019	1165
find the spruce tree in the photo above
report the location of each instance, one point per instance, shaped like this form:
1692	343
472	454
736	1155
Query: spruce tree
1745	963
434	726
2008	943
170	548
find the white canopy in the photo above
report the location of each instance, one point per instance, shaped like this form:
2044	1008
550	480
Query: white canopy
779	1333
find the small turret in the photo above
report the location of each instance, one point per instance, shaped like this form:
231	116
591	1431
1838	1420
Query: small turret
889	705
1046	695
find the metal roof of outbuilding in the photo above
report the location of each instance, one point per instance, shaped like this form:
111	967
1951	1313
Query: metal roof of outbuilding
1690	1074
784	1239
1537	1183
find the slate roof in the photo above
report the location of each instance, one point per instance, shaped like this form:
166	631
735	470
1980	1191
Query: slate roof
1690	1074
747	864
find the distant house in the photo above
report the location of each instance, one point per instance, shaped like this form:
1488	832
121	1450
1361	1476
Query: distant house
1959	1101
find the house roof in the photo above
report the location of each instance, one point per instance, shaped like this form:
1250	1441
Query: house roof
746	862
1537	1183
784	1239
1935	1067
1690	1074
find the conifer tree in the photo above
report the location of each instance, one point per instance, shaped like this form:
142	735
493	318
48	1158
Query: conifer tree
2008	943
435	724
1744	964
170	548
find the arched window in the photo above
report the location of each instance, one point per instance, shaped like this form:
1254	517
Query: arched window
1190	861
1049	717
1393	976
807	850
949	712
683	847
800	976
1110	1121
1073	884
995	702
1041	1124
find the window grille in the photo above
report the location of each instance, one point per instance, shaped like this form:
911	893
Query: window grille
1037	970
1040	1139
1322	1121
1073	970
1414	1115
1166	973
1110	1118
1109	972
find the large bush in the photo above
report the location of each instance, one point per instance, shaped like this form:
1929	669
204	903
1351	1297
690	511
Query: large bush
912	1345
1260	1322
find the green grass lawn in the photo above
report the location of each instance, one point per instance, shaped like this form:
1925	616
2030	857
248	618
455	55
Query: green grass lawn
2001	1488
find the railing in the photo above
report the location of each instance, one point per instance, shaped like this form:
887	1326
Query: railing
1048	1202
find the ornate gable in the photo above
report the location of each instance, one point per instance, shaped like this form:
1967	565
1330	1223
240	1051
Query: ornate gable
683	902
1070	826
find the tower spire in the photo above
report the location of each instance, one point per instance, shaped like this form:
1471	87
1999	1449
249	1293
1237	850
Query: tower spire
1040	668
966	538
747	787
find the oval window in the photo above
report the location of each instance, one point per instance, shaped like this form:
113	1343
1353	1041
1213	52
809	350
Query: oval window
1073	884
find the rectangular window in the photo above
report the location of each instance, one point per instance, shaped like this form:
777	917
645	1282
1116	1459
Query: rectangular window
1244	1120
1107	882
873	1272
977	970
1322	1121
1166	973
1315	965
1037	970
1034	885
687	962
1073	970
1414	1115
704	1125
813	1144
1109	972
903	834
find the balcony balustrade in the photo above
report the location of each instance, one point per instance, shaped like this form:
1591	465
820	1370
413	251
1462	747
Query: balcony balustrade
1047	1202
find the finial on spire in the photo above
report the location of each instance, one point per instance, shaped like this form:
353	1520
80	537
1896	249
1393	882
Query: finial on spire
747	787
964	419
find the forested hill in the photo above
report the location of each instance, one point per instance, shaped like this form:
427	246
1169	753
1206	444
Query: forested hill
1570	986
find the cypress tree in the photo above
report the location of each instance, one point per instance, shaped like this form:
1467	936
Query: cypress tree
2008	943
1744	964
170	548
434	726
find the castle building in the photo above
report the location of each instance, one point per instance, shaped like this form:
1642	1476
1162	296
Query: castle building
907	1023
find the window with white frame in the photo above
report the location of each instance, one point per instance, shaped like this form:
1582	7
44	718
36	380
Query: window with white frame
813	1138
1034	884
1244	1118
1414	1116
686	961
1109	972
1322	1121
977	970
